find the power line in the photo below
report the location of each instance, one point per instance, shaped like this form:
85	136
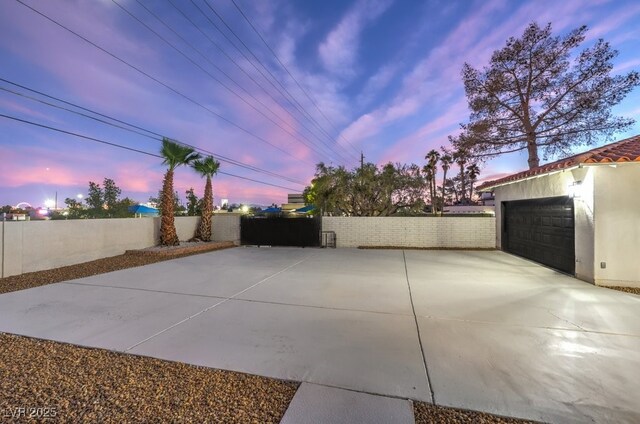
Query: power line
283	90
241	68
244	130
304	110
246	18
120	146
223	51
235	93
151	134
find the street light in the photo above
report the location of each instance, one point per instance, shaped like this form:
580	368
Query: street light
49	203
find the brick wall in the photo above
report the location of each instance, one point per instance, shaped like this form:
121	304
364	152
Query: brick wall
464	232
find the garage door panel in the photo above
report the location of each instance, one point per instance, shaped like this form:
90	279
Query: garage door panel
541	230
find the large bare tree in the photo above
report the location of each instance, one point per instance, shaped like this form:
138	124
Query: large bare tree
539	94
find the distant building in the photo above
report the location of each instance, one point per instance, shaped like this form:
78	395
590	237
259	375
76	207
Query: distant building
295	201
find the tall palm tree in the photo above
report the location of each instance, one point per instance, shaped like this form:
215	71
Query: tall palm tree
174	155
473	171
206	167
445	162
460	157
432	169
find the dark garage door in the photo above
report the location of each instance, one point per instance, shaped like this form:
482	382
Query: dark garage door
541	230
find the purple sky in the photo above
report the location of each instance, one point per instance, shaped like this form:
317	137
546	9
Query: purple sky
378	76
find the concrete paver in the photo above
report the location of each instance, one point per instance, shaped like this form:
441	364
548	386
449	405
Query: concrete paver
358	280
315	404
101	317
371	352
544	298
222	273
548	375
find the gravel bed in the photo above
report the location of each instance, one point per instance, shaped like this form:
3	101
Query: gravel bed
427	413
76	384
632	290
183	247
86	269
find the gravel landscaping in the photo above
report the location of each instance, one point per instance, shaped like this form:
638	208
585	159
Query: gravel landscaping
100	266
73	384
632	290
425	413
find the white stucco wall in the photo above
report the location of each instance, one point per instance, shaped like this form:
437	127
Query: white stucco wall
463	232
552	185
617	225
28	246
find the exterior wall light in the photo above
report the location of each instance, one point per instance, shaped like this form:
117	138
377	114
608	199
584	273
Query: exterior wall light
575	190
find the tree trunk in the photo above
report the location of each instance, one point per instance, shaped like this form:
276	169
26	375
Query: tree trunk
532	149
463	184
168	235
444	183
434	199
204	228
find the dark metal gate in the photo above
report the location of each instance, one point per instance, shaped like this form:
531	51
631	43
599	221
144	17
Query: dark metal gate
542	230
280	231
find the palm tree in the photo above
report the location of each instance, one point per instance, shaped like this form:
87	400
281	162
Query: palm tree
174	155
206	167
431	169
460	157
445	161
473	172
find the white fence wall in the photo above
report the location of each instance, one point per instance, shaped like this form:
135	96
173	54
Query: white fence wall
27	246
461	232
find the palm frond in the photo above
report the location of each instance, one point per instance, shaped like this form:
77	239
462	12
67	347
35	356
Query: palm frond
176	154
206	167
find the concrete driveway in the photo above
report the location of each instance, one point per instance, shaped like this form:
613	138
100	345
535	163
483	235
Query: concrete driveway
478	330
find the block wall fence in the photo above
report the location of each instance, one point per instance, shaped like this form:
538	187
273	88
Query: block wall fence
28	246
447	232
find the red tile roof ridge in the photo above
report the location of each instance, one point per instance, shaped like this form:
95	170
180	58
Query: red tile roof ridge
626	150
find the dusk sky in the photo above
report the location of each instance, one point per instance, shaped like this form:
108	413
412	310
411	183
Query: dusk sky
378	76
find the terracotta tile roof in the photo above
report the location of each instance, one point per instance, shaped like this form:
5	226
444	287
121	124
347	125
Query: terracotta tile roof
627	150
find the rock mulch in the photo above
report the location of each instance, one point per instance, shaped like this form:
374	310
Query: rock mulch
426	413
632	290
182	248
100	266
76	384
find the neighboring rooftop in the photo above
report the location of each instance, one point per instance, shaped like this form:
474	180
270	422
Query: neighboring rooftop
627	150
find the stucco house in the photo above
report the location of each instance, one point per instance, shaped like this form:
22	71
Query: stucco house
579	215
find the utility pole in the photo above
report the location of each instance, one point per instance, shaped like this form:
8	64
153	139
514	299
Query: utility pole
361	159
